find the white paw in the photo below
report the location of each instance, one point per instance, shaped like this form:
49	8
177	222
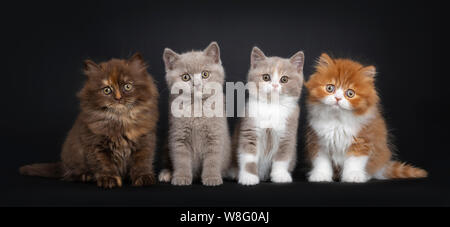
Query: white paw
281	177
355	177
248	179
165	176
320	176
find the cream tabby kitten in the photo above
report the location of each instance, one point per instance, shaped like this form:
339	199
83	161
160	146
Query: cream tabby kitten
266	138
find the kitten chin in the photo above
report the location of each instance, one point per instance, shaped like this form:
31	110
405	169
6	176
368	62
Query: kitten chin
111	139
346	129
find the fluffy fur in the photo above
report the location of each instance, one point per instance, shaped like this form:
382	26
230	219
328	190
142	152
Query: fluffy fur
197	146
347	134
114	136
266	142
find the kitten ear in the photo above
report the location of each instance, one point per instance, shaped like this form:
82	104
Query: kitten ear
298	59
325	60
369	71
137	57
213	51
256	56
90	67
169	58
137	61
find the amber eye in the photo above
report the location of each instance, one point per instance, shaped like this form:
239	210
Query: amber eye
284	79
186	77
205	74
127	87
266	77
330	88
107	90
350	93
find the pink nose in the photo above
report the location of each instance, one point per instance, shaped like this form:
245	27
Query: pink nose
275	85
337	99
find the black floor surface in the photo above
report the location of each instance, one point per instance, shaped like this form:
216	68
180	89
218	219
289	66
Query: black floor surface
17	190
28	191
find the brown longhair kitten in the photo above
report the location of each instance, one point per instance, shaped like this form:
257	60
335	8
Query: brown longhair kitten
114	136
346	129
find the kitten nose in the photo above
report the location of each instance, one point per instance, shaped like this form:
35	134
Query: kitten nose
337	99
197	83
275	85
117	96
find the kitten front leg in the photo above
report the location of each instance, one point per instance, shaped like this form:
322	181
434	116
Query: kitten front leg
213	156
141	165
286	154
182	164
248	158
211	172
248	169
280	173
106	174
354	170
322	168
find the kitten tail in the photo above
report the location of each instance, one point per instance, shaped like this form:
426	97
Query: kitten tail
49	170
396	170
165	175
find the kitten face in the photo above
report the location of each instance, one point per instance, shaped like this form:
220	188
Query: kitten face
274	74
116	85
342	84
194	68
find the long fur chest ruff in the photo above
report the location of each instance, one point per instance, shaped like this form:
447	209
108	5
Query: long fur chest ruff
336	129
118	135
120	149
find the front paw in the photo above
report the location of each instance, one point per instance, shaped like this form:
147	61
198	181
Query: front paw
355	177
248	179
281	177
109	182
87	178
165	176
144	180
212	181
320	176
181	180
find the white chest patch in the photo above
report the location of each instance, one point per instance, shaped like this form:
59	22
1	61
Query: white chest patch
271	117
336	129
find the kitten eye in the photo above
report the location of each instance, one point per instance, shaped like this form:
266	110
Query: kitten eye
330	88
266	77
107	90
350	93
284	79
186	77
127	87
205	74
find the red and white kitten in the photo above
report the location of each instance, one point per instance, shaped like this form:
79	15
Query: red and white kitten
346	131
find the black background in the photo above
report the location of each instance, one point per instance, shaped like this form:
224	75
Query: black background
46	43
